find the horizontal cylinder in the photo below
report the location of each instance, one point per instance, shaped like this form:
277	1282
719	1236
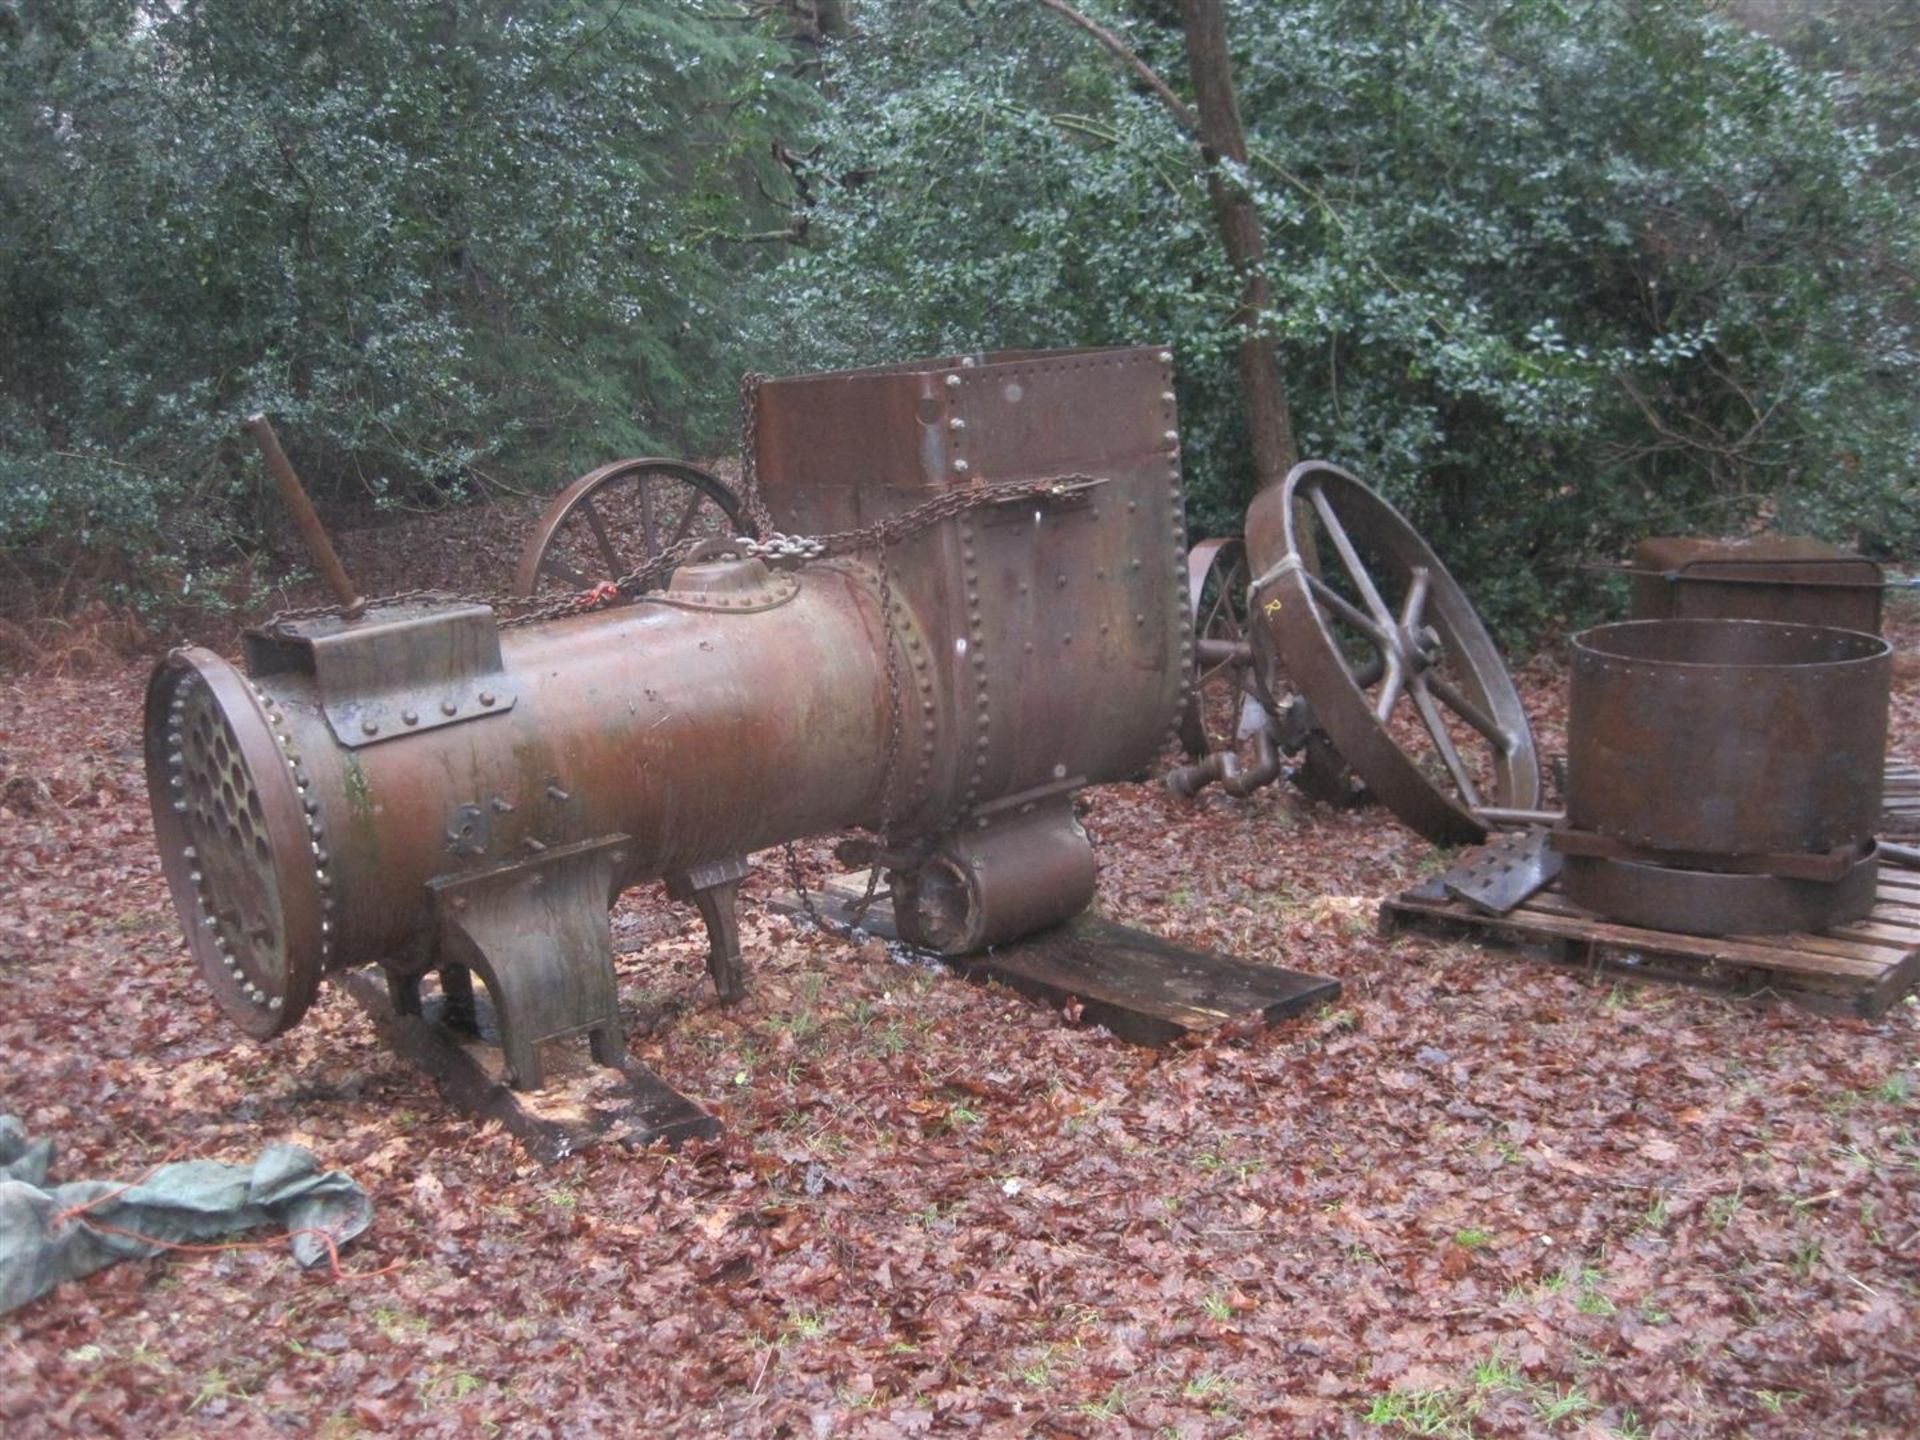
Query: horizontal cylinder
698	735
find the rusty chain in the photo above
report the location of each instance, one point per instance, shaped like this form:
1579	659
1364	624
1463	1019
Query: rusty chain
775	547
650	574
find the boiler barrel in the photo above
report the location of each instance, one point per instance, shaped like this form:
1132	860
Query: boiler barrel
698	734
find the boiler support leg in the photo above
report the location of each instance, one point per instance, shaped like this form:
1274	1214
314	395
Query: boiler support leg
537	932
715	889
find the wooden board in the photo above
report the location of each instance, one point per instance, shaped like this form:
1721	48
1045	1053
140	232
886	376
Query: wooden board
1141	987
1900	802
1856	969
583	1104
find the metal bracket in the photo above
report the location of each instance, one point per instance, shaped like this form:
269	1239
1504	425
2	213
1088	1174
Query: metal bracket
715	888
538	933
402	669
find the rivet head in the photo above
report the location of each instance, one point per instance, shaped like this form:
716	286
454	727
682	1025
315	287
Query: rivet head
956	423
486	697
449	707
1166	357
953	382
410	717
1172	437
960	467
1167	395
369	727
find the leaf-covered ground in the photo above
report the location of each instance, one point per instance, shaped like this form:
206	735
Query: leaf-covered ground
1476	1197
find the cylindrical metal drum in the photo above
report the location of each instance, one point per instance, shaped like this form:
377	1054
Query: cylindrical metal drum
1719	748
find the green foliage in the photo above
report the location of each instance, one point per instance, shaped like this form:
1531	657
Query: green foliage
442	244
1553	274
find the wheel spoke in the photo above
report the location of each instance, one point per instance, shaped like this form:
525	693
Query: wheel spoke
685	527
648	529
609	556
1411	613
1390	691
1443	742
1451	696
1348	612
552	564
1350	557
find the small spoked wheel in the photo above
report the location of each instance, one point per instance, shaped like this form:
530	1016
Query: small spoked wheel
612	520
1396	665
1224	705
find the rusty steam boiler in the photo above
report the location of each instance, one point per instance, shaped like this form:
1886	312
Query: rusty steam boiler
991	614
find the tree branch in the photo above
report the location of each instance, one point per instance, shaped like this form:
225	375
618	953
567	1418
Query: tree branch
1116	47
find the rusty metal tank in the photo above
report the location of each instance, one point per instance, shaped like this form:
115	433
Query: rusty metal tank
424	788
1724	775
1770	577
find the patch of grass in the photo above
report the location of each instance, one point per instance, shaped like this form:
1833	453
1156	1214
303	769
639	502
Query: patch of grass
1554	1405
1656	1216
450	1387
803	1325
215	1385
1217	1308
959	1115
800	1024
1775	1401
1722	1208
1111	1406
1208	1387
1805	1256
1593	1302
1473	1239
1422	1412
1896	1089
1496	1373
396	1325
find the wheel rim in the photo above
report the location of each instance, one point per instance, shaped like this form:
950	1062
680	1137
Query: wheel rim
618	517
1224	705
1393	659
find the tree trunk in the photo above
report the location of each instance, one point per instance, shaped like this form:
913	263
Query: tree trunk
1269	420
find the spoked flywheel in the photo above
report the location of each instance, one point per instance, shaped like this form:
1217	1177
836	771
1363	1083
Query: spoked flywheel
614	519
1389	653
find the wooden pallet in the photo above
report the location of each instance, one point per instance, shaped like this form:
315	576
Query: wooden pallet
1141	987
1857	969
1900	802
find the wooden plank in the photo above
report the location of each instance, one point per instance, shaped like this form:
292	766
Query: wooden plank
1858	969
1832	956
583	1104
1141	987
